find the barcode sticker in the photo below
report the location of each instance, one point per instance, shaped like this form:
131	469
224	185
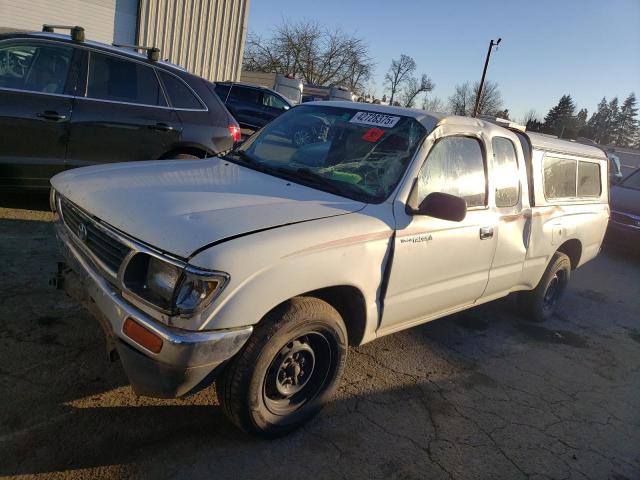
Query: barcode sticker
376	119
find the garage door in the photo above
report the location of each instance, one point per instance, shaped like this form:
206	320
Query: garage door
106	21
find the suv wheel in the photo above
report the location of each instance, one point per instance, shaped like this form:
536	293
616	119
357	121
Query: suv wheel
287	370
541	303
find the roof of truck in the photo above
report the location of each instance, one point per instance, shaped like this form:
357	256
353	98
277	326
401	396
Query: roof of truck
429	119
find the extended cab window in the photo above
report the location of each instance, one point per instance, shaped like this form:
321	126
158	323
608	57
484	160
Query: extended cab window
559	177
35	68
589	179
455	165
505	172
179	93
119	80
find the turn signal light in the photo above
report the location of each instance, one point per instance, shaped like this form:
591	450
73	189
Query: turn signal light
142	335
234	130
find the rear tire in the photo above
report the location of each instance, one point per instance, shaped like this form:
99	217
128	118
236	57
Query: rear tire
287	371
540	304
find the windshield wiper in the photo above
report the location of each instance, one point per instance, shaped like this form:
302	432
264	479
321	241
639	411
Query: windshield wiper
245	158
310	177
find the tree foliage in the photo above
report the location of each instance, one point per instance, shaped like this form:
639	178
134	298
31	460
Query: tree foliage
609	124
315	54
463	99
561	120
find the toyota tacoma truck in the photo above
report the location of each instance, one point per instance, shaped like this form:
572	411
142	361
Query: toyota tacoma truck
334	225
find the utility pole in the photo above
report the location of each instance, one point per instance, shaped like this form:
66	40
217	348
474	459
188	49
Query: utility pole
484	73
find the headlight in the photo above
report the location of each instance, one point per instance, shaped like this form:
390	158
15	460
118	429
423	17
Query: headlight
172	289
197	290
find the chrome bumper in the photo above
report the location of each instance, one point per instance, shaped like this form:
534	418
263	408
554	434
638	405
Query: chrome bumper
186	358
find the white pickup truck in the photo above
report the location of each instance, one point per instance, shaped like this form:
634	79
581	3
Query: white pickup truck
334	225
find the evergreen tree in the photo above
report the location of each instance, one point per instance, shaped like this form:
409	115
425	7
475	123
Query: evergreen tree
611	129
598	124
560	120
627	126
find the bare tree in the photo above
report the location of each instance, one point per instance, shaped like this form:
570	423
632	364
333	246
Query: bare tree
314	54
462	101
434	104
414	88
400	72
529	116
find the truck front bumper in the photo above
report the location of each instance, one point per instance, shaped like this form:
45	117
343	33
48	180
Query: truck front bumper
186	360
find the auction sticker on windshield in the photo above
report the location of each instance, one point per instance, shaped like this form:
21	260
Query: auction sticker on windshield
376	119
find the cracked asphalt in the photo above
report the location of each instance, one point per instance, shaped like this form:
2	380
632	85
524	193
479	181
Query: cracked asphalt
478	395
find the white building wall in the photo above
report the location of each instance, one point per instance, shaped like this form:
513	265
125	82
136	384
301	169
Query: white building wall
105	21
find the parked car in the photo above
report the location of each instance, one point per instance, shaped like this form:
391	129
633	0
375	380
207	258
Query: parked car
67	103
252	106
260	267
624	226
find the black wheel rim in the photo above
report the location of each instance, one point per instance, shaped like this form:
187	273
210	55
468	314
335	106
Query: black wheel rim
301	137
299	372
554	291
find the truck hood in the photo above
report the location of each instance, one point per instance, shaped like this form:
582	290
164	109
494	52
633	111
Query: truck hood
181	206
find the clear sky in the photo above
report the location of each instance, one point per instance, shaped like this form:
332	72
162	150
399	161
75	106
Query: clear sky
587	48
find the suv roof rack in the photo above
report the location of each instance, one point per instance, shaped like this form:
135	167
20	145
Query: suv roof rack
76	32
153	53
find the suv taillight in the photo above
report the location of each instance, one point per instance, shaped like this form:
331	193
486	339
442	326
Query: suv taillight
234	130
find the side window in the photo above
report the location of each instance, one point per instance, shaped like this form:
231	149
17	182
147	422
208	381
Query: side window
243	94
120	80
632	181
455	165
222	91
589	179
505	172
38	67
272	101
559	177
179	93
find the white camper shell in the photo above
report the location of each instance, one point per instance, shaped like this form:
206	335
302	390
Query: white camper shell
286	86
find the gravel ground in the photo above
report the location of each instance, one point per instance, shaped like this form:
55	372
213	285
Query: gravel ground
480	395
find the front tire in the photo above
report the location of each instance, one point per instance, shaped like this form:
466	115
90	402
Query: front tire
541	303
288	370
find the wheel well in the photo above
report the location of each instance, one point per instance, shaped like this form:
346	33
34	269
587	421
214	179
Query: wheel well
185	150
572	249
350	304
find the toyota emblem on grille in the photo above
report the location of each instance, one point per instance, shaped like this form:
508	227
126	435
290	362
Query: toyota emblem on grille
82	232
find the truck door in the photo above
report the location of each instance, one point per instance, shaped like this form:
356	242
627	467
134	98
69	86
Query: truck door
513	216
438	265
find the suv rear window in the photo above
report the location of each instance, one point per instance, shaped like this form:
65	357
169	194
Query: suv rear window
119	80
179	94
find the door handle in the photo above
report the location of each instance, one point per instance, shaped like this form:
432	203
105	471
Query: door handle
163	127
51	115
486	232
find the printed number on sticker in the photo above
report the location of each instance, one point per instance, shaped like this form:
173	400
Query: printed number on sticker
377	119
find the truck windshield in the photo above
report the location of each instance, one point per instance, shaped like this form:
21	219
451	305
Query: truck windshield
354	153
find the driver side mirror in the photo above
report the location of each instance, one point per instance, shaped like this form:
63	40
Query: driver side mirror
443	206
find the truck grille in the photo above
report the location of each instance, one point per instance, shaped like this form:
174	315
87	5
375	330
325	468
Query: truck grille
106	248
